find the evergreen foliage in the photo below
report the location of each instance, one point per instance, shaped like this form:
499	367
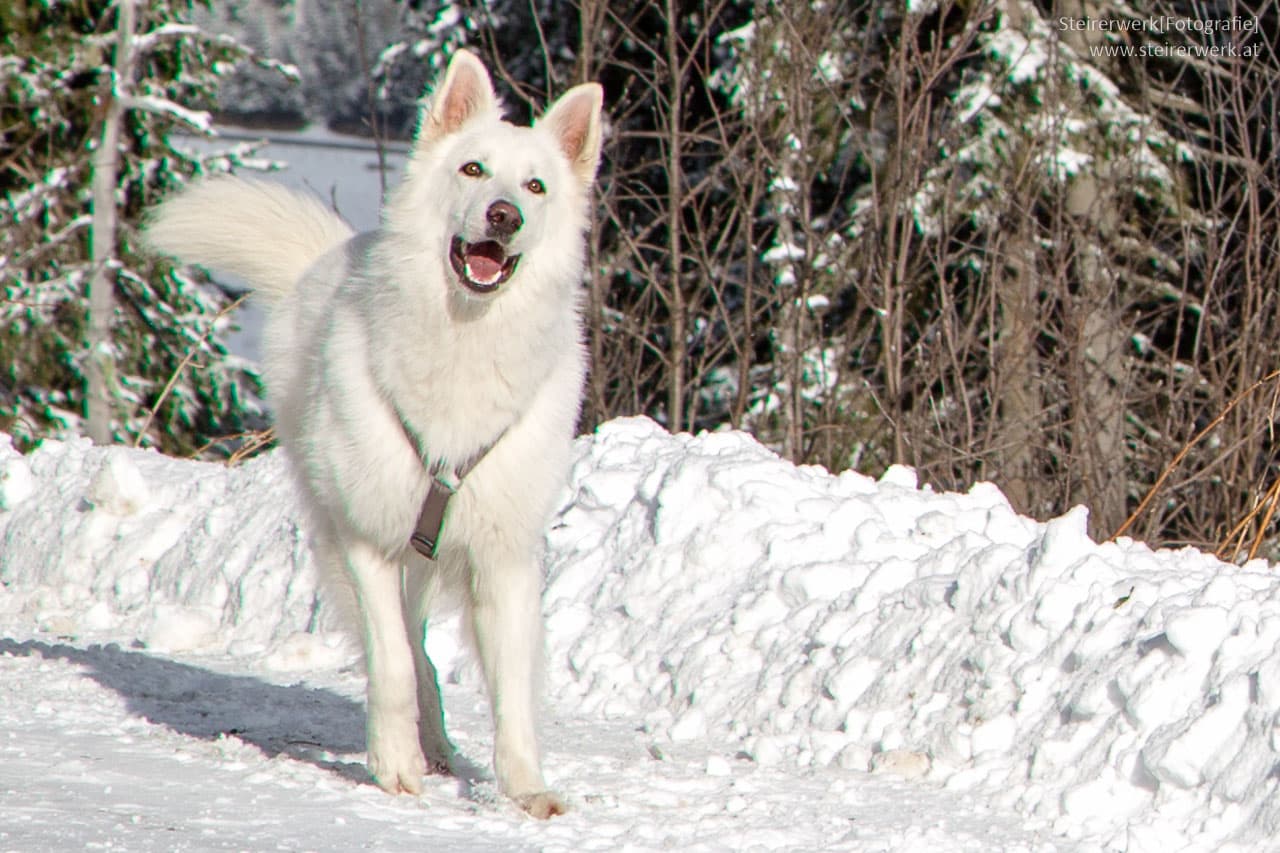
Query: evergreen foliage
55	71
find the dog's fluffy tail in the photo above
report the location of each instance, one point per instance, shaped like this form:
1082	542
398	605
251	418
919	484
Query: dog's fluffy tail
264	233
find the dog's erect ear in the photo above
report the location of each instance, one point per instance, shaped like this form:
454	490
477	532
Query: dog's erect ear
574	121
465	92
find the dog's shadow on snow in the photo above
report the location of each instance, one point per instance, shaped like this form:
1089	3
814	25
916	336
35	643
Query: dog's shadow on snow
304	723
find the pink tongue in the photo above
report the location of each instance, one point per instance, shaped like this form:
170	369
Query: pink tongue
483	268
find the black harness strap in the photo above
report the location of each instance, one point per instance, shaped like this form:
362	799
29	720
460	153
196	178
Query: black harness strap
425	538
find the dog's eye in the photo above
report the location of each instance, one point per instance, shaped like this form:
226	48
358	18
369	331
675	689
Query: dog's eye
472	169
536	186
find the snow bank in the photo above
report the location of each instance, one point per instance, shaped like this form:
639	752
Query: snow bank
819	619
186	555
715	593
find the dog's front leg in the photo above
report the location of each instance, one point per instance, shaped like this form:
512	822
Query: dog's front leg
395	758
419	590
507	619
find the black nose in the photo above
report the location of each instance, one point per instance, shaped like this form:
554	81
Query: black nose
504	219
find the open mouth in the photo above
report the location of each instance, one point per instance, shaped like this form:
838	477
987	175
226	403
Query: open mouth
483	267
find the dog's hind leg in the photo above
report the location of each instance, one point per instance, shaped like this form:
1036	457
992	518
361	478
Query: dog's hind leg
395	758
419	589
506	616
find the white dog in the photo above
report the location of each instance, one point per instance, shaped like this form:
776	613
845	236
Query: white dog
441	352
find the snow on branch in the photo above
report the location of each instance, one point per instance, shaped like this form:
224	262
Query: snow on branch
150	39
196	119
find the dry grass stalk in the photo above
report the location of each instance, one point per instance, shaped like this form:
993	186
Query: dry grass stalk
1270	500
1239	533
187	359
252	443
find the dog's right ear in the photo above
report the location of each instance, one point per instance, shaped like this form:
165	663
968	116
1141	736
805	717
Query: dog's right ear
465	93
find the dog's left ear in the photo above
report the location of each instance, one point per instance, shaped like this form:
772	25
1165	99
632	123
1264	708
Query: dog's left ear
574	121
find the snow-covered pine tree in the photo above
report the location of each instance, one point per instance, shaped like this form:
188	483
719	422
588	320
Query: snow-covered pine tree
1052	211
426	35
793	71
55	77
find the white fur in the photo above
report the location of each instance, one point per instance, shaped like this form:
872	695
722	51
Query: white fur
360	326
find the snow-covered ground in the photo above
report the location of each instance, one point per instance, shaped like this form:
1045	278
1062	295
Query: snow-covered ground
741	655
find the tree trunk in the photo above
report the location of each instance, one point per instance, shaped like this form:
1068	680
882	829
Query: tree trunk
1100	359
677	353
1018	395
99	366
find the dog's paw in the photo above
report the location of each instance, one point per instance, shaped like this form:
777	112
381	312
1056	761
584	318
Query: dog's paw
399	774
396	764
542	805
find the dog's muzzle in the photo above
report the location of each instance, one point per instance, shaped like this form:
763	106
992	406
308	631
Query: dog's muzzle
484	266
